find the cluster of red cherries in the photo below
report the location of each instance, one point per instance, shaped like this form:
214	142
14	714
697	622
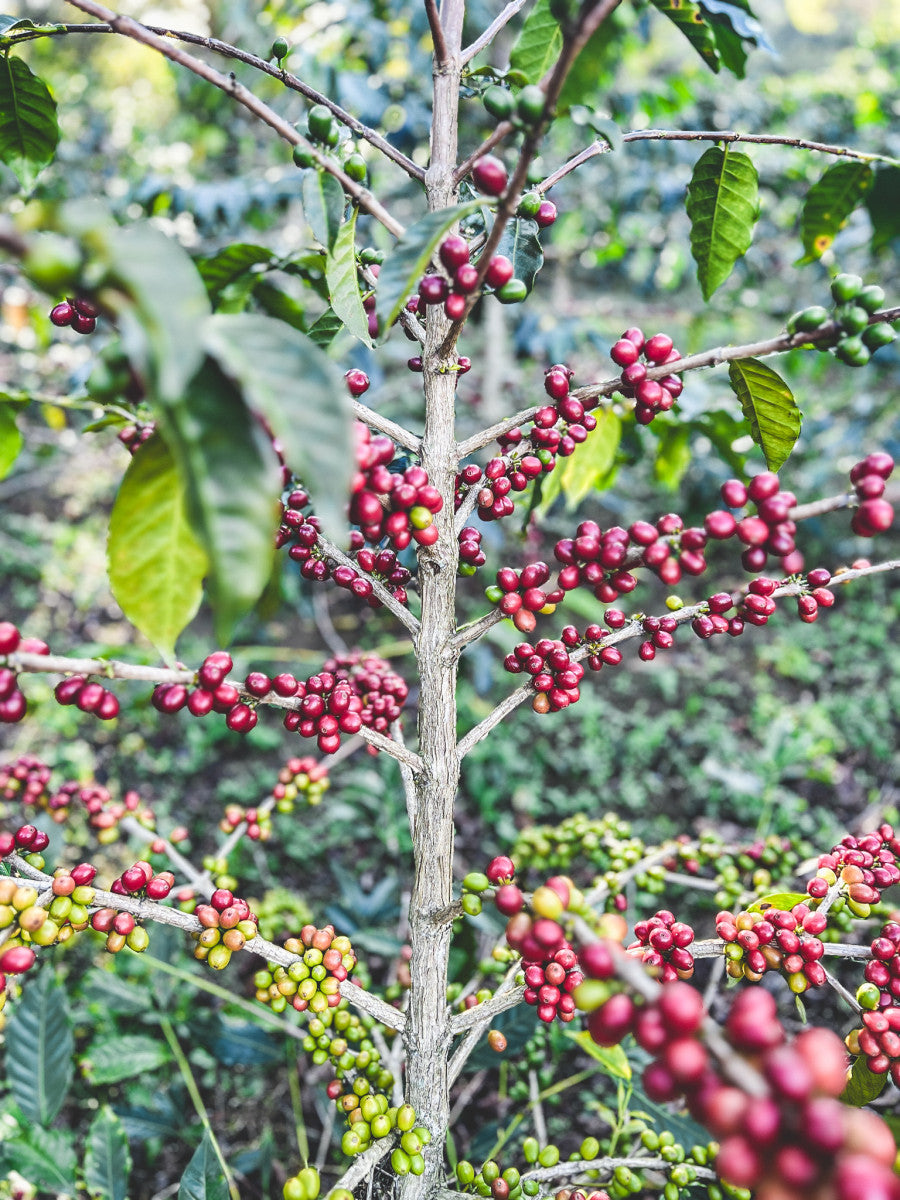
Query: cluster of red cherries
12	700
651	396
453	289
662	943
471	555
407	513
555	677
777	939
77	312
791	1136
864	864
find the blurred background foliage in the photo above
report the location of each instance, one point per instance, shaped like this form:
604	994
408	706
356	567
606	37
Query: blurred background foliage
792	729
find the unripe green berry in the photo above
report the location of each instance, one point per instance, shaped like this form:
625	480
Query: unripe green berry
513	291
471	904
498	102
845	287
280	48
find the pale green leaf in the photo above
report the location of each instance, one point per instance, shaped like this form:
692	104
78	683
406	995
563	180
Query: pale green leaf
10	439
108	1060
409	258
302	395
612	1059
203	1178
829	203
589	467
673	455
769	406
156	564
323	205
780	900
538	45
723	207
107	1162
39	1047
343	284
29	132
689	18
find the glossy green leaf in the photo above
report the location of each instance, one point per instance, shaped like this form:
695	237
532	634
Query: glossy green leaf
589	467
863	1085
673	455
770	408
23	29
302	395
39	1047
688	18
232	482
343	282
108	1060
735	29
883	203
107	1162
156	564
10	439
521	246
29	132
325	329
722	204
278	304
203	1178
231	264
612	1059
829	203
308	266
406	263
538	45
784	901
45	1157
323	205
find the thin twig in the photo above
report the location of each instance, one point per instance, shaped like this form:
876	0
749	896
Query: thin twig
385	425
441	53
387	598
537	1111
128	27
485	39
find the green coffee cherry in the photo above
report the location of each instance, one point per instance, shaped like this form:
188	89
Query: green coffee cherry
549	1156
845	287
808	319
281	48
530	1150
530	104
490	1171
513	291
498	102
852	351
465	1172
471	905
356	168
303	157
870	298
877	335
852	318
319	121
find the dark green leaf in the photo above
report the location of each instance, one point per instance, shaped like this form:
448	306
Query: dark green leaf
612	1059
10	439
883	203
521	246
323	205
343	284
722	207
39	1047
203	1178
325	329
538	45
302	395
688	17
107	1162
829	203
29	132
232	482
864	1085
235	1043
309	266
104	990
405	264
673	455
109	1060
279	304
156	564
229	265
769	406
734	28
589	467
45	1157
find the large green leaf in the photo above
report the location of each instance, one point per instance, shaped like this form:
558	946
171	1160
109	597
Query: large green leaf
521	246
688	17
325	329
231	264
323	205
590	465
769	405
343	284
538	45
45	1157
203	1178
300	392
863	1085
612	1059
883	203
722	206
829	203
107	1162
278	304
29	132
10	439
734	28
403	267
39	1048
232	482
109	1060
673	455
156	564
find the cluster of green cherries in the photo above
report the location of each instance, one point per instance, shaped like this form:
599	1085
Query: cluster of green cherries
857	336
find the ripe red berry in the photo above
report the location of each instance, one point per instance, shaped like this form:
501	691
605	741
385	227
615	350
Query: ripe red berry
62	314
489	175
357	382
499	272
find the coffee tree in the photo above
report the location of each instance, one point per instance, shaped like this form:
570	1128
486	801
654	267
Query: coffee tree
249	439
